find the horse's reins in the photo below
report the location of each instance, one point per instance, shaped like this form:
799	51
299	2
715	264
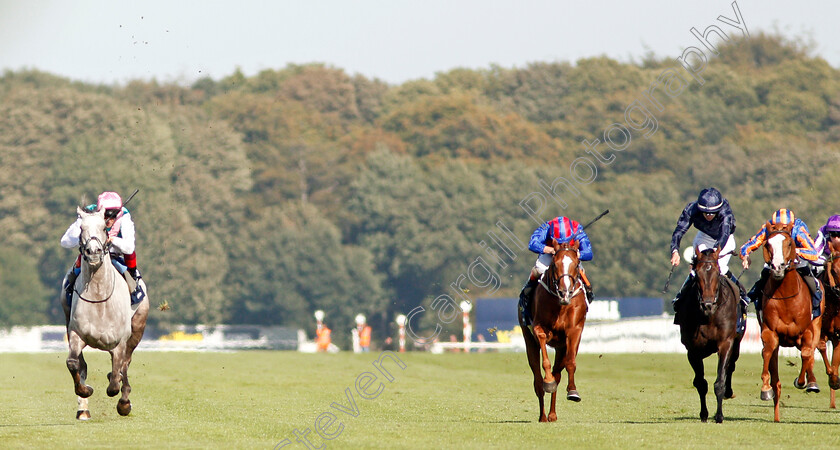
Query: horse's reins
102	249
556	282
787	268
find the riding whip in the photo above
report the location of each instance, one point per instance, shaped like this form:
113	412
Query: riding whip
668	282
131	196
606	211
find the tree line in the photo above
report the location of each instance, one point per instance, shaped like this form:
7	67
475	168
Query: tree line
263	198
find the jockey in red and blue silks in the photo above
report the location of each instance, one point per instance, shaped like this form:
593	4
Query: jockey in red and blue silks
806	252
563	230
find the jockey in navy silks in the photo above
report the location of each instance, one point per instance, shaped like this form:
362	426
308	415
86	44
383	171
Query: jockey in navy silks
563	230
712	216
806	256
120	229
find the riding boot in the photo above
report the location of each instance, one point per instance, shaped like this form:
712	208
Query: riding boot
525	300
758	287
743	304
814	287
587	288
69	285
675	303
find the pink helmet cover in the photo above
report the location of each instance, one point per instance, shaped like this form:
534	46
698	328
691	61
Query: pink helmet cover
108	200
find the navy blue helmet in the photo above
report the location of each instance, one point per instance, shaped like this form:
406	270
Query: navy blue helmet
710	200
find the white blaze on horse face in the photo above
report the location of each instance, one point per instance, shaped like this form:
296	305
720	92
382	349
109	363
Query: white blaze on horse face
567	264
778	253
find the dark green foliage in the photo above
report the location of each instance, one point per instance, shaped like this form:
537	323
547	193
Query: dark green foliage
265	198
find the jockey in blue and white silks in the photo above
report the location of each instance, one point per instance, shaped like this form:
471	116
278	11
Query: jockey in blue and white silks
563	230
712	216
806	255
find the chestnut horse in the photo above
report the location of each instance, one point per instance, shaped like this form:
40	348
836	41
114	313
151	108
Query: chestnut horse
785	315
708	325
831	317
559	311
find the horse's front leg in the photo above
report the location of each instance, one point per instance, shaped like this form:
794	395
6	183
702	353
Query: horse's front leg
533	351
549	383
570	363
124	404
733	358
810	341
775	383
552	413
834	375
770	346
77	366
117	362
721	383
699	382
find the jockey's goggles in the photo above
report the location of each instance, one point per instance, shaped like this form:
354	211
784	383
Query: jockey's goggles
111	213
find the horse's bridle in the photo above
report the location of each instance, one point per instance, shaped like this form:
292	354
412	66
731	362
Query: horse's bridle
567	294
715	303
787	263
83	245
101	251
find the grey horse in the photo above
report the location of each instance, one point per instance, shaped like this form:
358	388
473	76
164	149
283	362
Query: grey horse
101	316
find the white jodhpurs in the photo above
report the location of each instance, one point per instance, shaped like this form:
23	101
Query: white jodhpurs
703	241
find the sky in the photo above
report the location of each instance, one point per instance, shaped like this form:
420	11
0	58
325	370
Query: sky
113	42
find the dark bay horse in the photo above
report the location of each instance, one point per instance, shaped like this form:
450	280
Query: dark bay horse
101	316
830	332
708	326
785	314
559	311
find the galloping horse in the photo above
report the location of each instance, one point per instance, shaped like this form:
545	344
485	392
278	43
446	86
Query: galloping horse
101	316
785	315
709	318
831	317
559	312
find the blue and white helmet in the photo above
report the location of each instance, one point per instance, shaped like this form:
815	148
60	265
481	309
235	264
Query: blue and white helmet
710	200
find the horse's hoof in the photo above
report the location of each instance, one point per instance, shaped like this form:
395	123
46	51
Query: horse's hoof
84	391
797	385
550	388
123	407
767	395
552	417
113	390
83	414
813	387
573	396
728	395
718	418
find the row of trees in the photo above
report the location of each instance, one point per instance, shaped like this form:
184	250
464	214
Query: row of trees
264	198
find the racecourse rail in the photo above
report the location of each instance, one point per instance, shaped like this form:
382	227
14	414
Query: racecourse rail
637	335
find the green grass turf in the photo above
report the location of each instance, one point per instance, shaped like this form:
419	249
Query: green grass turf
256	399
